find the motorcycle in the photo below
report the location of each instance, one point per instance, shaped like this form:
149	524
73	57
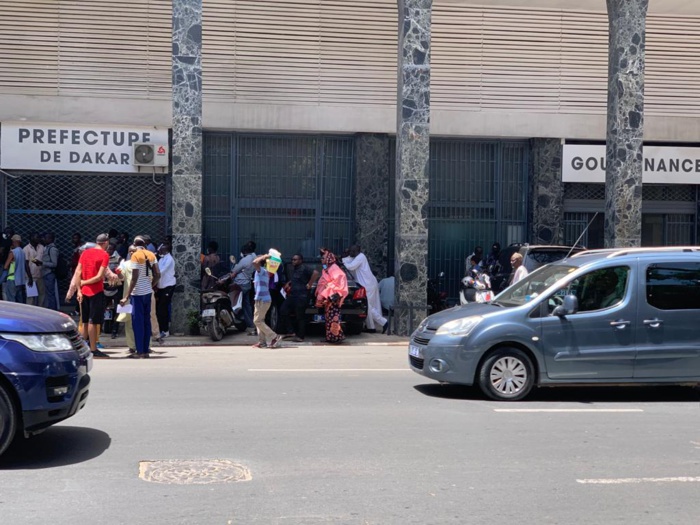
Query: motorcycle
475	287
437	300
222	308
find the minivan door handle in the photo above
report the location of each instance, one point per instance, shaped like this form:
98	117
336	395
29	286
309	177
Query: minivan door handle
654	323
620	325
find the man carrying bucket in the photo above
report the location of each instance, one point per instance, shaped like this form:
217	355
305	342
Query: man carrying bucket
267	338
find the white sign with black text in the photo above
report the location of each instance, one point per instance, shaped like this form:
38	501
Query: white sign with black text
662	165
59	147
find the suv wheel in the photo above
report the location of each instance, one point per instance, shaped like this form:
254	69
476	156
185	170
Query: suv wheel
8	420
507	375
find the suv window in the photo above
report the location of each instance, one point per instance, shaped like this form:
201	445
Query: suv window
596	290
674	286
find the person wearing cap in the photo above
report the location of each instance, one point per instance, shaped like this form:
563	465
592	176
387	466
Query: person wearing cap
140	293
92	266
18	274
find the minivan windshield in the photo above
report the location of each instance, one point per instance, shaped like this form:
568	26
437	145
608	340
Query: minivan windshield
532	285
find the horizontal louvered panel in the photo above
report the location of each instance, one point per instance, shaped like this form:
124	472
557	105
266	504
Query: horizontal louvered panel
328	51
87	47
29	30
341	52
123	49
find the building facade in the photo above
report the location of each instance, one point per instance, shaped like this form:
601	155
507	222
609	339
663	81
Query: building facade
298	123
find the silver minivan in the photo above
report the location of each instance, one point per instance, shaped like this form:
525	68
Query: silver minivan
613	317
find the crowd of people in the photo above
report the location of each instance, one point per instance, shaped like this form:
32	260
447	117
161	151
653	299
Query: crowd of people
252	276
115	280
111	280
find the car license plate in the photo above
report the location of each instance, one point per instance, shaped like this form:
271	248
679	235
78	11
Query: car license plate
415	351
319	318
211	312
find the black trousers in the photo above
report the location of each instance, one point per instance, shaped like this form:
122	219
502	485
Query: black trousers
163	298
296	304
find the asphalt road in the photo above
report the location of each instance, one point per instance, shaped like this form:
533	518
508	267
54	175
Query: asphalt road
349	435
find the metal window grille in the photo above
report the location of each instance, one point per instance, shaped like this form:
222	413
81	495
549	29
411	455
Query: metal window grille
671	192
478	195
679	229
294	193
86	203
584	191
650	192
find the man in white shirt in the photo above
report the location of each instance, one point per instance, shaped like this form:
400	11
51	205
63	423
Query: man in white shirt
516	261
166	286
357	263
34	253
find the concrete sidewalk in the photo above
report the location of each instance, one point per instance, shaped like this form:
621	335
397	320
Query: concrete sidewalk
241	339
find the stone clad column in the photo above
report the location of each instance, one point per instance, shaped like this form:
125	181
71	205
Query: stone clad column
412	152
372	198
187	155
623	175
547	192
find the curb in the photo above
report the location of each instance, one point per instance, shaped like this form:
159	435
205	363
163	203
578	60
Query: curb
185	342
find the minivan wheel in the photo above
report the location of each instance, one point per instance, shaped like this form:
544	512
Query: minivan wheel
8	420
507	375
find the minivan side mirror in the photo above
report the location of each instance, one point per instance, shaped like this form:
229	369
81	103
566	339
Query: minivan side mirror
569	307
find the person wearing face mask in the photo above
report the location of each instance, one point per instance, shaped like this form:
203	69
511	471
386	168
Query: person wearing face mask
331	291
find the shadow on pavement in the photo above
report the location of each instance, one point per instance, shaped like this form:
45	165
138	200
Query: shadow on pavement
449	391
56	447
621	394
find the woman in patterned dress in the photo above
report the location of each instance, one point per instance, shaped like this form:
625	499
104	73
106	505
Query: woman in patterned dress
330	293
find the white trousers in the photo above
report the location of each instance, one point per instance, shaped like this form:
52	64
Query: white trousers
374	309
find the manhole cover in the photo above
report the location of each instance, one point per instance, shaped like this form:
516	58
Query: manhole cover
193	472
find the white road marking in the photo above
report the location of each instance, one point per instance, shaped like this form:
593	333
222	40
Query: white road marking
328	370
568	410
621	481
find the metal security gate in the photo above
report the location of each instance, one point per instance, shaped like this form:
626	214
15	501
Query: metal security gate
294	193
478	195
86	203
669	214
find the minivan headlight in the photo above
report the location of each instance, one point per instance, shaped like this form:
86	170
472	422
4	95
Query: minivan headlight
459	326
42	342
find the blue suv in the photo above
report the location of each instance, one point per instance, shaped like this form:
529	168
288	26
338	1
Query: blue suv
44	365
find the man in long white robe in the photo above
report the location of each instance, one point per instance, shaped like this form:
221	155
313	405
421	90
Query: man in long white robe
358	265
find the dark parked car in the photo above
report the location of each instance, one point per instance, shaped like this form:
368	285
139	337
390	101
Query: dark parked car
534	256
353	312
44	365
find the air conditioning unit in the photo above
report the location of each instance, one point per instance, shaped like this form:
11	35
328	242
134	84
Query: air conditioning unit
150	155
